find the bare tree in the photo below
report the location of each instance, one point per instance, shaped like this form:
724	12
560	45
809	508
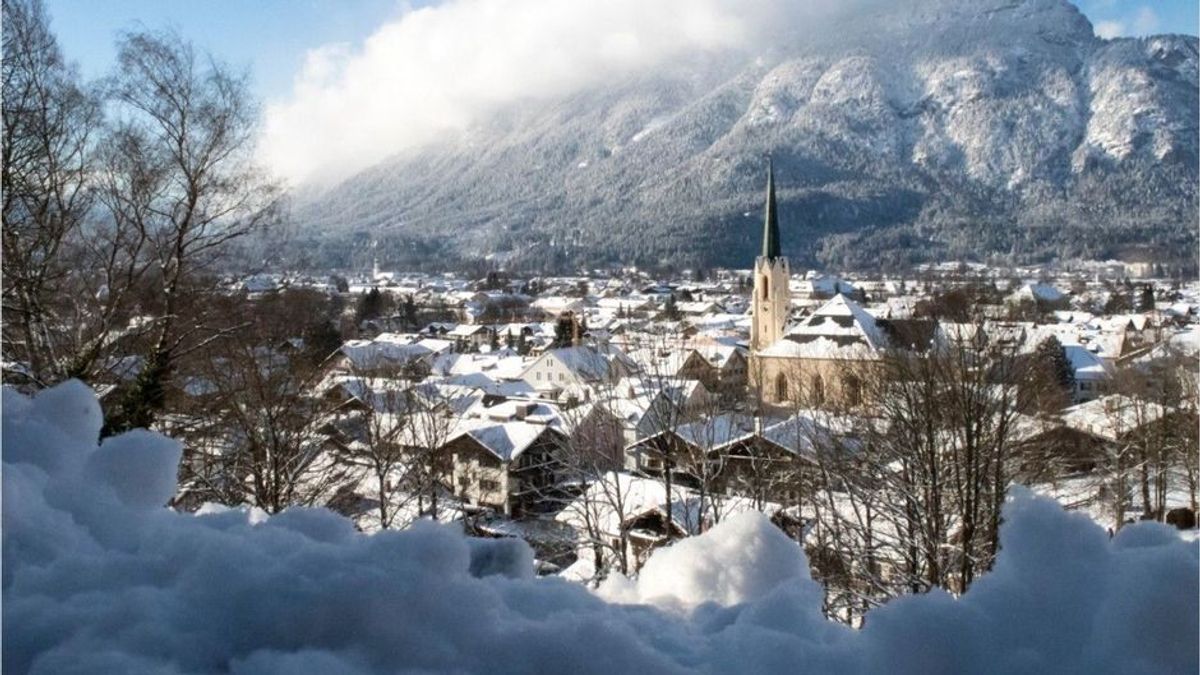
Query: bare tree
371	437
431	420
915	503
595	495
50	123
179	178
260	440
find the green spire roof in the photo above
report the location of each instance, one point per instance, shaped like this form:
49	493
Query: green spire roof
770	249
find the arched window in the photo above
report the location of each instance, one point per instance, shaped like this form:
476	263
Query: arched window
853	388
762	282
818	391
781	387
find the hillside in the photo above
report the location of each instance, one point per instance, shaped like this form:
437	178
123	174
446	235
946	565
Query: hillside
927	130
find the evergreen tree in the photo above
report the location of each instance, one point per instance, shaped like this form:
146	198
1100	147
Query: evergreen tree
370	306
671	309
1051	355
1117	303
1146	300
563	331
410	311
522	346
493	340
509	340
321	338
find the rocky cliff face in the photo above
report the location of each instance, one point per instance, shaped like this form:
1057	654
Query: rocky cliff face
916	131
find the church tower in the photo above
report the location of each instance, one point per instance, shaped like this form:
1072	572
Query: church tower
772	297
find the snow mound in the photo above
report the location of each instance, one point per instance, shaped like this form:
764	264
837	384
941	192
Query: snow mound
741	560
99	577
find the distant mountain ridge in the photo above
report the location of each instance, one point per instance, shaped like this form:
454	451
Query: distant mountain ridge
923	130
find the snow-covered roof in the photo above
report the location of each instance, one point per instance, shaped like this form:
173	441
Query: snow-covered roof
505	440
1086	364
837	324
1112	416
381	351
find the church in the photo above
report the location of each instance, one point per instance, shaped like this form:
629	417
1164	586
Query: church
822	360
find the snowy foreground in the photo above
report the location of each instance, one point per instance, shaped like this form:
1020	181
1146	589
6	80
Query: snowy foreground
98	577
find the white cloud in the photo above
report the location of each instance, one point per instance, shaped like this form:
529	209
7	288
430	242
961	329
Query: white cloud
1141	21
1109	29
441	68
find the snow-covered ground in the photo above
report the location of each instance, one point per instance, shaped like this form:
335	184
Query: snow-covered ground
99	577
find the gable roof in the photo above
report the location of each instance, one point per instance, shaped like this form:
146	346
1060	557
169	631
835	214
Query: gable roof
506	440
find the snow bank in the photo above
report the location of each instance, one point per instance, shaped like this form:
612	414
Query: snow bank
98	577
739	561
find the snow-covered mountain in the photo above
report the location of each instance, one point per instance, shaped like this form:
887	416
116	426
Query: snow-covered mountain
918	129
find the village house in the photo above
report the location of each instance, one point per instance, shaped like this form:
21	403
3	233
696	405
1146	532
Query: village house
575	372
518	456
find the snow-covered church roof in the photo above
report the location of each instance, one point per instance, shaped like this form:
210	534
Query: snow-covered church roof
840	328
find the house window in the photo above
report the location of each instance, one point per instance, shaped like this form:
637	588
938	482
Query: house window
538	375
818	390
781	387
562	376
1085	386
488	485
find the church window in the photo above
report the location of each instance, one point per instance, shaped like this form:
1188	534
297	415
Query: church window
853	387
818	390
781	387
763	283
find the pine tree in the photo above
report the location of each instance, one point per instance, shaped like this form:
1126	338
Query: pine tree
522	346
410	311
370	306
563	331
1052	356
671	309
1146	301
509	340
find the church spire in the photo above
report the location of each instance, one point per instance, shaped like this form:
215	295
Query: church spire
770	248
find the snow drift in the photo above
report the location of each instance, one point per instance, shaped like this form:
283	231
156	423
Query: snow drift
98	577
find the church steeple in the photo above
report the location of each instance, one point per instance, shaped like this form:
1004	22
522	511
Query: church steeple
772	297
770	248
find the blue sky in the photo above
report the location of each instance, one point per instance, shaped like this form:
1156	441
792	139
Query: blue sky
272	37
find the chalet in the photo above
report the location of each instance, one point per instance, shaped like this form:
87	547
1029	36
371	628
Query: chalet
757	459
1091	372
647	407
473	335
675	364
1082	436
574	372
730	364
383	355
504	464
